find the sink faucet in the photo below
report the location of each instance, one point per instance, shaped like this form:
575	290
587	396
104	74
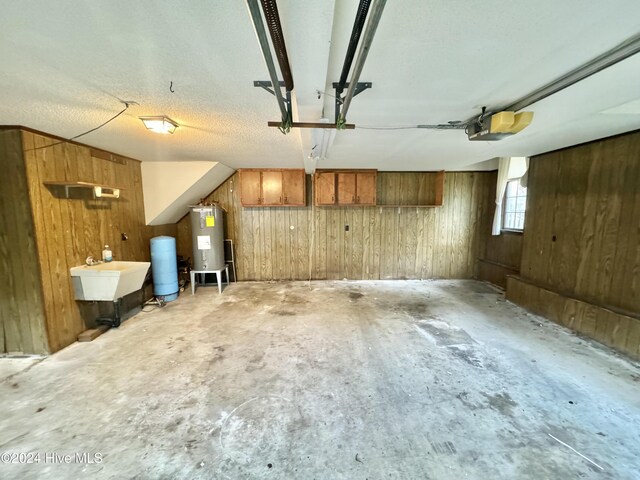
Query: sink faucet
91	261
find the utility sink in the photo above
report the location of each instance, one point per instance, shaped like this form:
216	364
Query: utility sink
108	281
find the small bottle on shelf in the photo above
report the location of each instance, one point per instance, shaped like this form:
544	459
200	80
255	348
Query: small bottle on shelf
107	255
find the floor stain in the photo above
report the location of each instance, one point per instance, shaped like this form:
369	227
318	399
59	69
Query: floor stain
226	304
255	363
443	448
252	367
464	398
416	310
501	402
466	354
216	359
283	313
173	425
355	295
445	335
292	299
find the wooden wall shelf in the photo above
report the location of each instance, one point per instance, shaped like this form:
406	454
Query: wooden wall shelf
357	188
424	190
408	206
99	191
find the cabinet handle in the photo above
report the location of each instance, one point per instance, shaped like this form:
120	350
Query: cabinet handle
280	200
358	197
353	198
285	200
333	198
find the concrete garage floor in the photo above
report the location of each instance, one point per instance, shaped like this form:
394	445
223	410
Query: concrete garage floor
346	380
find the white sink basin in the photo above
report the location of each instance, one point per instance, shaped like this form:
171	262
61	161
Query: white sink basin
108	281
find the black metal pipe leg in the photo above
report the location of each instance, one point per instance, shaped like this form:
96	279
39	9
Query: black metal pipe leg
115	321
116	310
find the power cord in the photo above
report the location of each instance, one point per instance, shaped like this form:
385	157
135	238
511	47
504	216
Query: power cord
126	107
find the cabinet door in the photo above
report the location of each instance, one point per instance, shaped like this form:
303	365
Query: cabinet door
346	188
293	187
249	187
271	187
325	188
366	188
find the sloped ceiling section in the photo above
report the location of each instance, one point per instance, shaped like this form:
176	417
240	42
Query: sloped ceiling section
170	187
67	65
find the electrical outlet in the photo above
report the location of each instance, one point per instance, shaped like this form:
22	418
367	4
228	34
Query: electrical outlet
346	228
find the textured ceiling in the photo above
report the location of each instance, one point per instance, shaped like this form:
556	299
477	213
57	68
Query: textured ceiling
65	65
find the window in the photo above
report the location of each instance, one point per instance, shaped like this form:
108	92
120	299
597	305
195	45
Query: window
515	203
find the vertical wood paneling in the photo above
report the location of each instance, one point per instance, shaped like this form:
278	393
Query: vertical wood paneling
381	243
581	245
615	329
589	246
66	230
22	320
502	253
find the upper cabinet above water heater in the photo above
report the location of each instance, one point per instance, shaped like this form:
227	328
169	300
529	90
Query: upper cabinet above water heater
272	187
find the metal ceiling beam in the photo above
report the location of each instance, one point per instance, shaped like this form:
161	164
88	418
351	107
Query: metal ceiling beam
367	38
256	18
358	25
346	126
622	51
270	9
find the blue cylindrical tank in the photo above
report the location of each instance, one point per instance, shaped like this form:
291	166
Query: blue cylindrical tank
164	268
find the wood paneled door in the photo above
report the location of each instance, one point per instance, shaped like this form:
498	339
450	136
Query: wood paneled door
366	188
345	187
325	188
293	187
272	187
250	187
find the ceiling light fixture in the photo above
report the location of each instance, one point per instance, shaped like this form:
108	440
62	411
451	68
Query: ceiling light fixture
160	124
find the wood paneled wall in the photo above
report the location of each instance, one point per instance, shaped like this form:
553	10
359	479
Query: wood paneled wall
68	230
610	327
381	243
582	230
22	319
502	253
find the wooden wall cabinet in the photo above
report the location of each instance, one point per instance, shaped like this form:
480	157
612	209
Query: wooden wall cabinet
250	187
345	187
325	188
294	187
272	187
366	188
